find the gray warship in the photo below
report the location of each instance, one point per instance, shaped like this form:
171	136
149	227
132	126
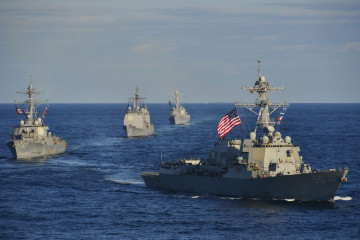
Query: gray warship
265	167
31	139
137	119
178	114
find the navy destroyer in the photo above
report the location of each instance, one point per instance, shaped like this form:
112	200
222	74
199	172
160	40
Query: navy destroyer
266	166
178	114
137	119
31	138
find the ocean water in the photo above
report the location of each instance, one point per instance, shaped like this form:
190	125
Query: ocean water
95	189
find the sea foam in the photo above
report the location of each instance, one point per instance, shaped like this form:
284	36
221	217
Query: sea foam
347	198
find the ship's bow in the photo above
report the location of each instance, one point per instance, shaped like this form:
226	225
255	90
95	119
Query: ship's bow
151	179
11	146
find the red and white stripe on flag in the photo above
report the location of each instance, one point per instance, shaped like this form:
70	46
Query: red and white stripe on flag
228	122
18	110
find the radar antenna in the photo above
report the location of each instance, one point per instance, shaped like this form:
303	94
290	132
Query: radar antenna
136	100
31	109
177	103
262	88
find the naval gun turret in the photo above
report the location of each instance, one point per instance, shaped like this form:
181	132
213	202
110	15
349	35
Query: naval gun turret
31	137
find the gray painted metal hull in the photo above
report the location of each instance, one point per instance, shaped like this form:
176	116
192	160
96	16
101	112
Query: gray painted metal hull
179	119
132	131
27	149
316	186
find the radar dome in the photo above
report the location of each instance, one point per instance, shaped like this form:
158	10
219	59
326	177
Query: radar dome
262	79
252	136
22	122
278	134
287	139
270	129
265	140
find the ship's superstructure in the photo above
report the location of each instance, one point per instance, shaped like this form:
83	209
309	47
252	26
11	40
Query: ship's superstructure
137	118
31	137
266	167
178	114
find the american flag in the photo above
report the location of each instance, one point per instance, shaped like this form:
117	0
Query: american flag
281	116
44	112
18	110
228	122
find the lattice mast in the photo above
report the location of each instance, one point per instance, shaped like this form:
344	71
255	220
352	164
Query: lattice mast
31	92
177	103
262	88
136	100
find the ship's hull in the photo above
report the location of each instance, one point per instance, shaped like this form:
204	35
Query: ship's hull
179	119
132	131
316	186
28	149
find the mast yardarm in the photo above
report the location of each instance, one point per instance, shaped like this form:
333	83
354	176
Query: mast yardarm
177	104
31	112
262	88
136	100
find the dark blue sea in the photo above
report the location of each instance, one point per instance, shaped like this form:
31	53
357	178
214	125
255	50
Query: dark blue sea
95	189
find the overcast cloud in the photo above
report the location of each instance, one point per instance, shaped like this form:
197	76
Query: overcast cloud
98	51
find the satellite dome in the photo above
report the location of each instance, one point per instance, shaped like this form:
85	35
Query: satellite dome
265	140
270	129
252	136
262	79
287	139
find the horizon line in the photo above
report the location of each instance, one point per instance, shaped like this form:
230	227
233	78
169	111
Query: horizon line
185	103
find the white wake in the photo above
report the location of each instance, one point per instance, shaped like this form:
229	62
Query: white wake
128	182
347	198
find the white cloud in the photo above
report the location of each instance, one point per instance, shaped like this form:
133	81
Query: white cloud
351	47
157	46
265	38
295	47
141	48
182	43
285	9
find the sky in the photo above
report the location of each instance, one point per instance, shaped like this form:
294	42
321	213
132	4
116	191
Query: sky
90	51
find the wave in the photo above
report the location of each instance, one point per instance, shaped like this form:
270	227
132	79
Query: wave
72	162
187	124
290	200
231	198
347	198
194	197
125	182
